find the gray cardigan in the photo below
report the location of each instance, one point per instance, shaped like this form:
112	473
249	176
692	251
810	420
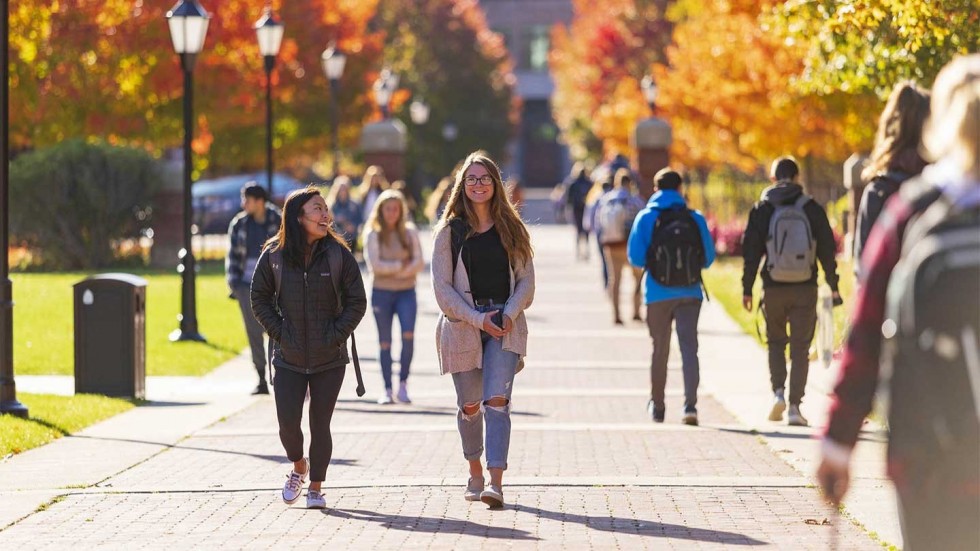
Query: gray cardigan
458	341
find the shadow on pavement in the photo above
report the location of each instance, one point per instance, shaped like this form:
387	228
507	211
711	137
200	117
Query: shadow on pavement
275	458
431	524
863	436
409	410
643	527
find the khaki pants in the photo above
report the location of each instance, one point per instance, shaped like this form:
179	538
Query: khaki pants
796	305
616	259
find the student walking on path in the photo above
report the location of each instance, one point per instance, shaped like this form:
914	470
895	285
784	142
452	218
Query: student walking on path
577	188
308	295
483	279
919	290
346	212
791	231
615	213
248	232
895	158
673	243
394	257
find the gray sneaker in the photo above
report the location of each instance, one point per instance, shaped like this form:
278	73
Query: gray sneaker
494	497
314	500
294	484
795	418
474	487
778	406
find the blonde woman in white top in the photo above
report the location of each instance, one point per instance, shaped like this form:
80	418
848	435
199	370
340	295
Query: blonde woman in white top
394	256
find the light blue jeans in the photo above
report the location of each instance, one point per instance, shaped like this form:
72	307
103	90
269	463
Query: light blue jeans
479	386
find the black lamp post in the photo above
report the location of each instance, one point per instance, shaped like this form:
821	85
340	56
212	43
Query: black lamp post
649	88
269	31
333	66
384	87
188	27
8	390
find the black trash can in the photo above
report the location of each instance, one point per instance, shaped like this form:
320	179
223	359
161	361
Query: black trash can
110	335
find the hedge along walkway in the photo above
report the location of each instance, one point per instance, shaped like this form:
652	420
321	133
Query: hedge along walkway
44	323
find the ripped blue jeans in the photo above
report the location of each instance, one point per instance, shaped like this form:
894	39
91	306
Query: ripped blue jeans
479	386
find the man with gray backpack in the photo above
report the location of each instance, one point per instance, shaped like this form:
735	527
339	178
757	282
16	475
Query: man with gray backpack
791	231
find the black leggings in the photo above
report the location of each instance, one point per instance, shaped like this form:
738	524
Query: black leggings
290	391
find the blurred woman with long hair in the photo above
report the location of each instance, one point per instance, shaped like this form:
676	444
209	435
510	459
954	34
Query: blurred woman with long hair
394	256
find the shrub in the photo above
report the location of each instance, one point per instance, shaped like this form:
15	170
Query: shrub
70	203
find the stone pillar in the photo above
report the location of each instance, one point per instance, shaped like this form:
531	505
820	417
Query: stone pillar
853	167
384	144
651	141
168	212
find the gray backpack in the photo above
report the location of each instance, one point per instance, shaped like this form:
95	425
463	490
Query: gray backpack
791	249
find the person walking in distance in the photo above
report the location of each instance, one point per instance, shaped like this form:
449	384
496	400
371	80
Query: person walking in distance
614	217
919	290
895	158
249	230
394	257
791	231
673	243
346	212
576	190
370	188
483	279
308	295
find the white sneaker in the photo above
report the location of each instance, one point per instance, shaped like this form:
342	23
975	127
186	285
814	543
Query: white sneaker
474	487
386	399
314	500
778	406
294	484
494	497
795	418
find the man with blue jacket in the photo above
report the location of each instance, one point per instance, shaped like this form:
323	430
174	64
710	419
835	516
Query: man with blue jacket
667	304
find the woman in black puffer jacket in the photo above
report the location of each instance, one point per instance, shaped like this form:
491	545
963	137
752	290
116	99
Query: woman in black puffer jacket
309	319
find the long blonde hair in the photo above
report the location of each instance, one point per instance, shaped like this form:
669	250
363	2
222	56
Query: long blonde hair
376	223
364	187
953	129
513	233
437	198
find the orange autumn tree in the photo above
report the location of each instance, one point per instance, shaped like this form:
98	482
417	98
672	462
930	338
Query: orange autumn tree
727	90
107	70
597	63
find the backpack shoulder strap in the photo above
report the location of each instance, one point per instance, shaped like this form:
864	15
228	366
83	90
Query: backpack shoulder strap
275	260
802	200
458	229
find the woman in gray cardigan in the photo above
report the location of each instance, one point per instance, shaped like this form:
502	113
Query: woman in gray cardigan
483	279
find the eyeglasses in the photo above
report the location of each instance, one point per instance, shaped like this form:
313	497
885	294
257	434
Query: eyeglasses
484	180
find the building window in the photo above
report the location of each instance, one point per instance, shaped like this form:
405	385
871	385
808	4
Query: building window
538	44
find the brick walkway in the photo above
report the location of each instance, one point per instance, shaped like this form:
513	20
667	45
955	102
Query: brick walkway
587	467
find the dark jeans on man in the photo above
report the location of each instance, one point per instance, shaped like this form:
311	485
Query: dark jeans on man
253	330
290	396
796	304
660	316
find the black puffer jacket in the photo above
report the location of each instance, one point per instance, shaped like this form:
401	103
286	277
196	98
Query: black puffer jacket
308	332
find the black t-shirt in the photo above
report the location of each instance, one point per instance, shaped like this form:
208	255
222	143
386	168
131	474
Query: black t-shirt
487	266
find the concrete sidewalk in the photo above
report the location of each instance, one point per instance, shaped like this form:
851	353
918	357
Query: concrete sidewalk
587	467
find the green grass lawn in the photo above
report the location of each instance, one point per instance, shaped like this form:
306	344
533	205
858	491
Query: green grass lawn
52	417
43	323
724	283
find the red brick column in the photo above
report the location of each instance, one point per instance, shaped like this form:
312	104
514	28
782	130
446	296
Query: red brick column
651	141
